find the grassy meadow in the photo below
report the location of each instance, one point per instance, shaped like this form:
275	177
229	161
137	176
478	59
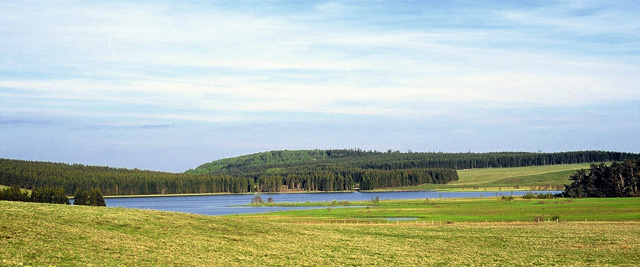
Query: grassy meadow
505	179
422	232
441	211
46	234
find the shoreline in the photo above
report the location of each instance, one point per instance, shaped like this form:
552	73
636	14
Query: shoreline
321	192
223	194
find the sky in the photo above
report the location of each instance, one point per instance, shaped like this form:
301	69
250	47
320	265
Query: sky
169	85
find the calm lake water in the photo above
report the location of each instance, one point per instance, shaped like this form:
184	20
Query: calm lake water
232	204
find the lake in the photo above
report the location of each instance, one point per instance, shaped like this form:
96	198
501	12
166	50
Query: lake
232	204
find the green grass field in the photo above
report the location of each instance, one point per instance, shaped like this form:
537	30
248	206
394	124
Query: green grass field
491	209
46	234
496	179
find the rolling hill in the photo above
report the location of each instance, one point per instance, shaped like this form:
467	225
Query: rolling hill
300	170
285	161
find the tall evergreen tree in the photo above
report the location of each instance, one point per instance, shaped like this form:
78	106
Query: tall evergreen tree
59	197
95	198
81	197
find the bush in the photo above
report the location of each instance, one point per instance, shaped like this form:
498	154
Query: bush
530	195
257	199
507	198
545	196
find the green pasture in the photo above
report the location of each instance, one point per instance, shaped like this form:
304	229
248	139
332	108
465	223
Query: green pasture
492	209
548	177
35	234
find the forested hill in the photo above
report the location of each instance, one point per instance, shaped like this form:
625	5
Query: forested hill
278	171
284	160
335	170
115	181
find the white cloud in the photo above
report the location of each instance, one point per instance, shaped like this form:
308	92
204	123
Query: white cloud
578	18
185	60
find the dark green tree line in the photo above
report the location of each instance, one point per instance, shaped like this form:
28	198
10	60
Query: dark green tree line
14	193
49	195
303	170
38	195
344	180
616	180
115	181
375	179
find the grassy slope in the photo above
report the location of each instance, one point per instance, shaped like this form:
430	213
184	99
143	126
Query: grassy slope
524	178
44	234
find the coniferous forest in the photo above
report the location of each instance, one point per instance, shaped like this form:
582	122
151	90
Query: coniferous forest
277	161
115	181
278	171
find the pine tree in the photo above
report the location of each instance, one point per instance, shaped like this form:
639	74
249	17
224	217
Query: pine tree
59	197
81	197
95	198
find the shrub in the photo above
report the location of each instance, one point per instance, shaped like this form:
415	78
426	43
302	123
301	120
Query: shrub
530	195
257	199
507	198
545	196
